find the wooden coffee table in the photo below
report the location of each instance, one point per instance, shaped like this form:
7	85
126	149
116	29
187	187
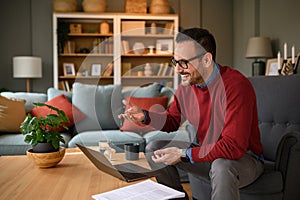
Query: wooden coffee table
75	177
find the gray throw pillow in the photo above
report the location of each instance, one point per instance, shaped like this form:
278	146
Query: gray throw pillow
52	92
152	90
100	103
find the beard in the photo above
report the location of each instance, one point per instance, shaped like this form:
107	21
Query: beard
188	79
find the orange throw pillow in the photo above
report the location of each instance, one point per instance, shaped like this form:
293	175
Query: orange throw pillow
156	104
61	102
12	114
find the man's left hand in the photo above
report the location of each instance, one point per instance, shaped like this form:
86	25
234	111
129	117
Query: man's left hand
168	156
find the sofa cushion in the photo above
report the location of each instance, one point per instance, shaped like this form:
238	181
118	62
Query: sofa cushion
12	114
152	90
117	138
52	92
30	98
100	103
180	135
61	102
152	104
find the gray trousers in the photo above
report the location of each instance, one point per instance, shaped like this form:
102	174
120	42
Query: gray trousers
226	176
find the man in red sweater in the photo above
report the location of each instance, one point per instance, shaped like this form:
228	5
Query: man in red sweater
220	103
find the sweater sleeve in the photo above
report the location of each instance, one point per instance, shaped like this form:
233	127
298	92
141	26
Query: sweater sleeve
167	121
231	138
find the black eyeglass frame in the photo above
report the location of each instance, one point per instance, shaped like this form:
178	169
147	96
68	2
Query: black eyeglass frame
181	61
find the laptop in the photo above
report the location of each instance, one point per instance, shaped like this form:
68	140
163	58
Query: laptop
127	171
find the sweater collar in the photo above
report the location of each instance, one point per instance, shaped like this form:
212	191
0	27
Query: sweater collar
211	78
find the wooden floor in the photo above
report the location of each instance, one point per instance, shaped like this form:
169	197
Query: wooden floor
187	188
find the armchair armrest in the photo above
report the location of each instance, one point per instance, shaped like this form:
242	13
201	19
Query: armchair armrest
288	162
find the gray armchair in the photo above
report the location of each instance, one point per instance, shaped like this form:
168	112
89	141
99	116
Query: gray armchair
278	101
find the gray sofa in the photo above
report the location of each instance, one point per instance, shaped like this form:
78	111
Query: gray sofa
101	105
279	122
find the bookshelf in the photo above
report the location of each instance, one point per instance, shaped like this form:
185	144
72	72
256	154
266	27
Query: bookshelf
85	45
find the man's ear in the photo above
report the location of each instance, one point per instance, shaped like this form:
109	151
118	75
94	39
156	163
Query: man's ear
207	59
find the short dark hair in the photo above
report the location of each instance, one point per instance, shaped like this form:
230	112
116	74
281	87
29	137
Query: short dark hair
201	36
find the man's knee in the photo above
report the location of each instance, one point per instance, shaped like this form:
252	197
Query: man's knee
223	168
150	147
155	145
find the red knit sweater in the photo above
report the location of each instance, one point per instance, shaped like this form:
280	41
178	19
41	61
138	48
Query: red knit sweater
224	113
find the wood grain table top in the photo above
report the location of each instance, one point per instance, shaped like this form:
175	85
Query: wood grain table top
75	177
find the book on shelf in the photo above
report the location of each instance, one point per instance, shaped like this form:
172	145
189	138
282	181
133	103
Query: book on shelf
125	47
67	86
171	72
160	70
103	45
108	71
168	70
165	69
169	27
126	69
110	45
64	85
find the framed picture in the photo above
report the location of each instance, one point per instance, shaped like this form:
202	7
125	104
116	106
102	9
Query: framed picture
69	69
96	70
272	67
164	46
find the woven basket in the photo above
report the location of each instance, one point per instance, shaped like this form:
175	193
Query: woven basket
94	5
159	7
64	5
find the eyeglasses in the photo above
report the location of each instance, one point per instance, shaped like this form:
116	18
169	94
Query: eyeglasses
184	63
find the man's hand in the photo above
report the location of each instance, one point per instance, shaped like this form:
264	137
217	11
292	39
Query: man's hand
133	113
168	156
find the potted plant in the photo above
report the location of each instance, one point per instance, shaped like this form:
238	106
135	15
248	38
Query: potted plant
44	136
44	130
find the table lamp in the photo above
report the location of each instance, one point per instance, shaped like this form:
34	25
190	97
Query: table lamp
27	67
259	47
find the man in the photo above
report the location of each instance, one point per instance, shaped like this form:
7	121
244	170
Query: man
220	103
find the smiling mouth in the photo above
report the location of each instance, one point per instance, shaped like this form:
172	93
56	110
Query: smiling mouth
184	76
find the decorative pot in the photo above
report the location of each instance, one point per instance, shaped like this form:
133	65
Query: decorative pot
45	160
104	27
45	147
138	48
159	7
94	5
64	5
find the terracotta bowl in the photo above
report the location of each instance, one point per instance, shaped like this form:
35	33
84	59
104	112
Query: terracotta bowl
45	160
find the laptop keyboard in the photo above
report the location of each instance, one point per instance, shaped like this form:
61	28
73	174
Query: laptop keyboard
131	168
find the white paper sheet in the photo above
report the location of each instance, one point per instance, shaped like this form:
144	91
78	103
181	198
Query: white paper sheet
146	190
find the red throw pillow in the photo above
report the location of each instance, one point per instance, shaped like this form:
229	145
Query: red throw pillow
157	104
61	102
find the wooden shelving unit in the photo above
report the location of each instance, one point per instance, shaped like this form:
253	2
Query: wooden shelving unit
89	46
